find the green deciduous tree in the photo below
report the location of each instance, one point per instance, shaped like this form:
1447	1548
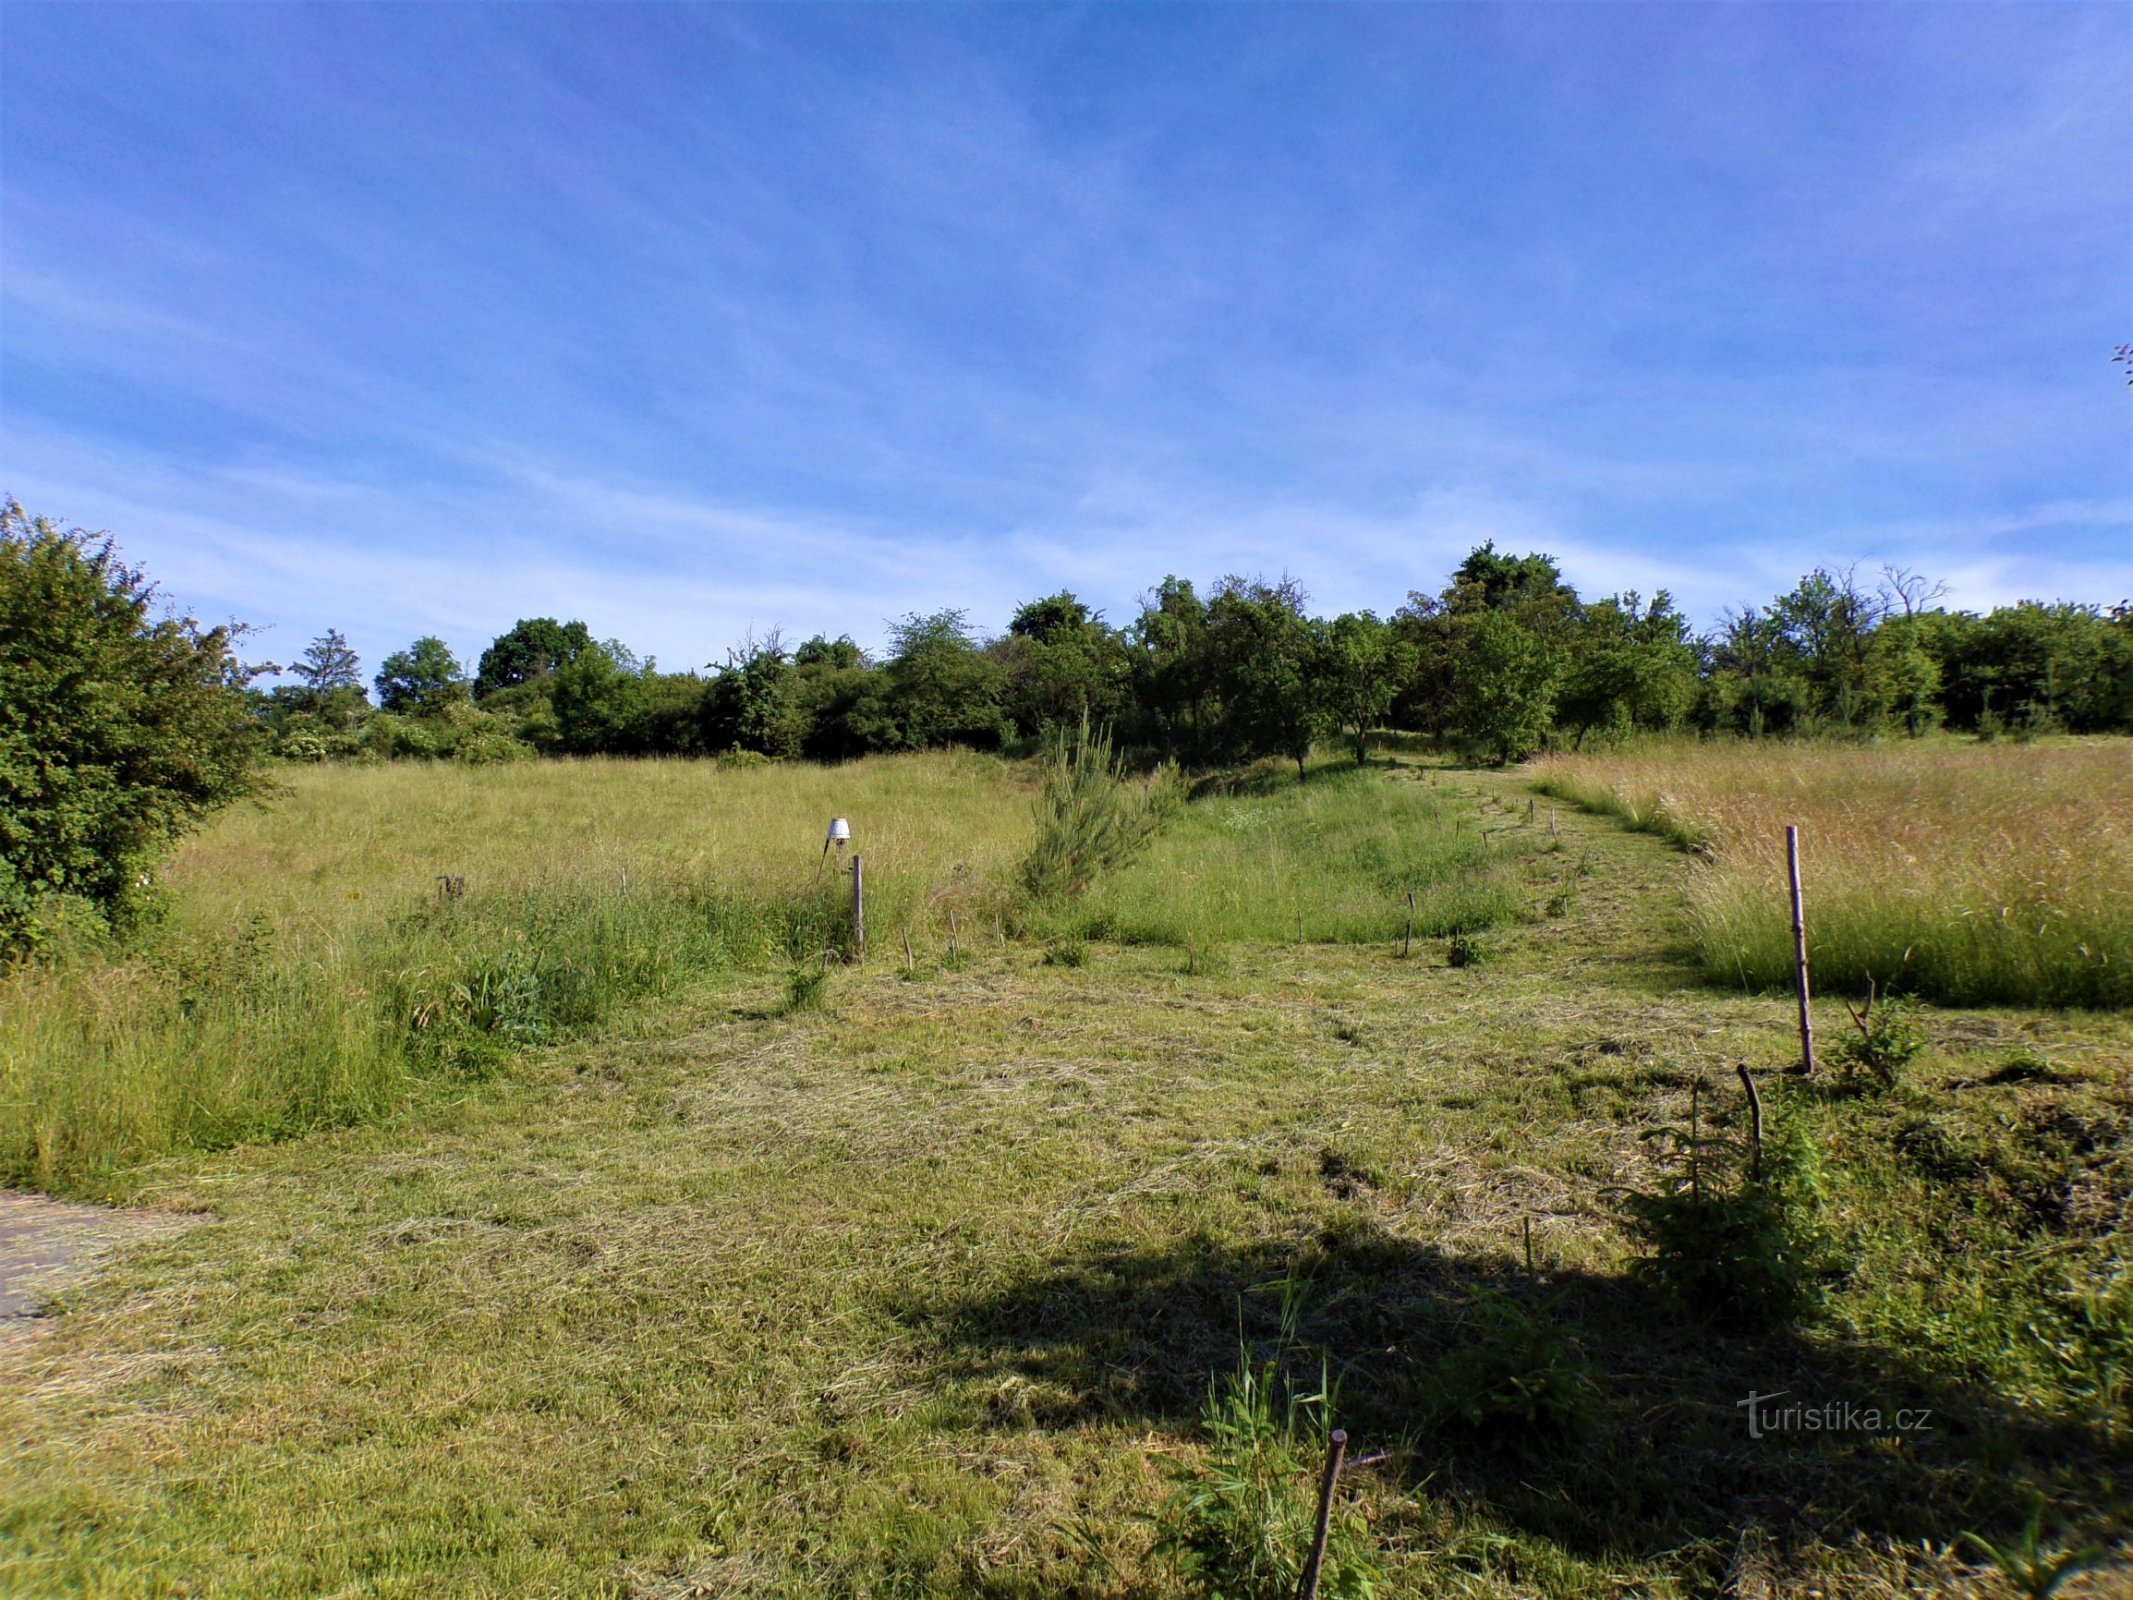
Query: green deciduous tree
1629	667
1062	663
534	648
938	689
1362	665
119	730
1503	686
1262	651
752	703
421	680
1168	661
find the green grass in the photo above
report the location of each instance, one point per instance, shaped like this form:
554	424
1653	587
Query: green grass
1329	860
312	972
1963	873
921	1293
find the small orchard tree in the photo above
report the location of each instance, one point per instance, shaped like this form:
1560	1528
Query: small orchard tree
1503	686
1263	650
119	729
1363	666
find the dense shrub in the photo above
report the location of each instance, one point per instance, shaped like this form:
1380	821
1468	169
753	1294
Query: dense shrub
118	729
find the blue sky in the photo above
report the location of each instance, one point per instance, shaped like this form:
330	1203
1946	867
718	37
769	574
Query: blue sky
688	320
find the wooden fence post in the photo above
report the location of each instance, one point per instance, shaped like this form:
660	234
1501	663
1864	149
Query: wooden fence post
859	912
1307	1589
1799	948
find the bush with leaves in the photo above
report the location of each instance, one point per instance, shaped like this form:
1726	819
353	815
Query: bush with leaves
119	730
1888	1040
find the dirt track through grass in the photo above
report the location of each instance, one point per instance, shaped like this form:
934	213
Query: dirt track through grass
919	1295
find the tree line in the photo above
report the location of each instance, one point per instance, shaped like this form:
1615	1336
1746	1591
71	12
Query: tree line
1505	659
122	724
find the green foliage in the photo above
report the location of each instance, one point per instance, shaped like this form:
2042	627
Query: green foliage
938	689
1069	951
118	731
1089	817
328	665
1169	669
1263	654
1727	1239
533	649
1062	664
1503	686
1516	1377
1463	949
502	996
1503	659
1362	666
751	704
607	702
421	680
1239	1522
1632	668
807	986
1888	1039
2030	1567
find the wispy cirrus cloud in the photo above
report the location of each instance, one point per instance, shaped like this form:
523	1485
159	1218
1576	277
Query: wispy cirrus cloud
694	321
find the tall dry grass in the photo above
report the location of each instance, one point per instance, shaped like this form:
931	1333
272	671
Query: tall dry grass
1970	874
311	970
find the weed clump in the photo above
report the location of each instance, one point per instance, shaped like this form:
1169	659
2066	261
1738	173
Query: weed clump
807	987
2032	1568
1205	958
1071	951
1463	949
1239	1521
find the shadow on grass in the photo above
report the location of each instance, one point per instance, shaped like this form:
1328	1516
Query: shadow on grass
1668	1462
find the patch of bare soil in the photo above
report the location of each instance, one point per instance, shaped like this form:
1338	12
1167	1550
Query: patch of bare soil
47	1246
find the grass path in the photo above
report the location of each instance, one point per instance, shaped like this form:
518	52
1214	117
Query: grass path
920	1294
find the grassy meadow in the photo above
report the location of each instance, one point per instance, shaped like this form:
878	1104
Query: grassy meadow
311	968
1332	859
921	1289
1964	873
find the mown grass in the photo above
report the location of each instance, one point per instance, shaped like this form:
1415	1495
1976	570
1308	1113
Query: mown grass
1964	873
1332	859
921	1293
372	929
